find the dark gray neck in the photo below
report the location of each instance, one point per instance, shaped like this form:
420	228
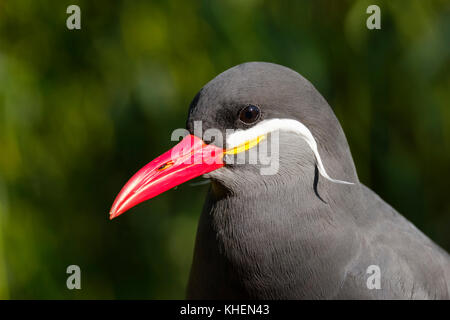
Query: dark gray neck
276	242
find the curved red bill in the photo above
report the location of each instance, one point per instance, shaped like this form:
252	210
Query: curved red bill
188	159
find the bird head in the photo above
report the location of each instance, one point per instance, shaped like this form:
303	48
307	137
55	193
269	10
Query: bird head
250	110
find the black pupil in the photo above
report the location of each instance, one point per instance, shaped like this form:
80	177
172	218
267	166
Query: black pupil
249	114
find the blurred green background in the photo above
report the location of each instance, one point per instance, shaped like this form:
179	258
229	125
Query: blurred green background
82	110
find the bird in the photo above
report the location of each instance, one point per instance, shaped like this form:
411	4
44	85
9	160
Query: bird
300	226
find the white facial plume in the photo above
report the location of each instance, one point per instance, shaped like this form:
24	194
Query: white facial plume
264	127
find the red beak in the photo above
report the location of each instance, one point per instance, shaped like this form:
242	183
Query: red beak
188	159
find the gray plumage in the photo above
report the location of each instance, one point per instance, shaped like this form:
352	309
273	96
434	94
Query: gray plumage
296	235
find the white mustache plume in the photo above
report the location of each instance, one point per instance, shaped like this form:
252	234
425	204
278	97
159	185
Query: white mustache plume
264	127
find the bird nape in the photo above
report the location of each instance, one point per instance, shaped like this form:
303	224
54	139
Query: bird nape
306	228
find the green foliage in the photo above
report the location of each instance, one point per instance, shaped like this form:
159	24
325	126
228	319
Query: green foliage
82	110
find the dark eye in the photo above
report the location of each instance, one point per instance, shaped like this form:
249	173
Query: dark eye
249	114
